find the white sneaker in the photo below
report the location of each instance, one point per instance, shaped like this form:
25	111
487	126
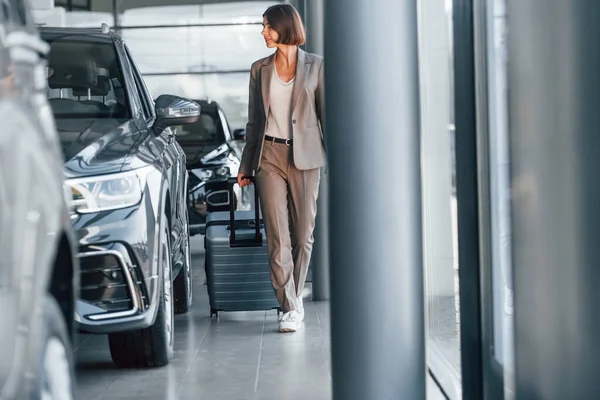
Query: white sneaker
300	308
289	322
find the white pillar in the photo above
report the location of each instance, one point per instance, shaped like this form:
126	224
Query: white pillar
554	97
313	10
373	142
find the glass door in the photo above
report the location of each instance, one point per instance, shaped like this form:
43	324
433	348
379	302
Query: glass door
494	183
440	254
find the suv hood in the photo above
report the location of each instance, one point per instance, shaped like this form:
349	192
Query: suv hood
95	146
217	156
196	153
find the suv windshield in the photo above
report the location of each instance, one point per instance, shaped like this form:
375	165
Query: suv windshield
85	79
205	131
200	138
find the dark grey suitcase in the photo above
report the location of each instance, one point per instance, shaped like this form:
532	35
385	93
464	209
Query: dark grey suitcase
236	262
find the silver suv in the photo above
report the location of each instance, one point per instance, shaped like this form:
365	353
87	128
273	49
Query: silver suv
38	265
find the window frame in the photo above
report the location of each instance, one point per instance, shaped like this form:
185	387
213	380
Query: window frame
121	75
83	5
143	92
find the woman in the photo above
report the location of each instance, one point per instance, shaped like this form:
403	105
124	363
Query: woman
284	147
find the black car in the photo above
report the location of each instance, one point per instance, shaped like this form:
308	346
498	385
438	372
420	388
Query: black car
213	153
38	267
129	181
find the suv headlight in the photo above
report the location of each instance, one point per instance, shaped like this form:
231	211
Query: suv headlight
222	171
206	174
108	192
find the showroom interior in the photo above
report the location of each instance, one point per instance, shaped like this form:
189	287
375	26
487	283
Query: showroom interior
452	251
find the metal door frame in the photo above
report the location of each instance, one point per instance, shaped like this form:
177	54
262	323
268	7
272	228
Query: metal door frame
467	146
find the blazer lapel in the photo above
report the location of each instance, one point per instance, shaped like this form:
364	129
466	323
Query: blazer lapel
302	68
265	78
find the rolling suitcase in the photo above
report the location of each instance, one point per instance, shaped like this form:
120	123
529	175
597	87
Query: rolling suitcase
236	261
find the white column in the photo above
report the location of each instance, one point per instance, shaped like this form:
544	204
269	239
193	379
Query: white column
313	10
554	97
373	142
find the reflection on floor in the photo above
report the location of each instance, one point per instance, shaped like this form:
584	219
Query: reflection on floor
443	344
443	316
240	356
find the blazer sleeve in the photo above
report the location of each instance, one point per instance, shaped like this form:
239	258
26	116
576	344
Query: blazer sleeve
252	126
320	98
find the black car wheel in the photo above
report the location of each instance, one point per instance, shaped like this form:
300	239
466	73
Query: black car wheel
152	346
183	281
54	358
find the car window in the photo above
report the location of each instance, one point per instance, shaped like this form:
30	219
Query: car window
85	79
225	124
145	96
207	130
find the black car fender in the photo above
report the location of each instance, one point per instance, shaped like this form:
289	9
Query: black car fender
159	196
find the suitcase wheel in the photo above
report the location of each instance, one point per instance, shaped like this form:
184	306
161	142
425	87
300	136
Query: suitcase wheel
214	312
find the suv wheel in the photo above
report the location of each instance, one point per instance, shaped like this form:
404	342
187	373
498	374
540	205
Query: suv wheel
55	365
152	346
183	281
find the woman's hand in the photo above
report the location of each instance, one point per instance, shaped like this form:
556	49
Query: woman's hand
243	180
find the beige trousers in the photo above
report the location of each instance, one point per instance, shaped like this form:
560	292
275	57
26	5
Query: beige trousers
288	199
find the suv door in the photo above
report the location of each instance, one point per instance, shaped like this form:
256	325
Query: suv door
174	160
161	143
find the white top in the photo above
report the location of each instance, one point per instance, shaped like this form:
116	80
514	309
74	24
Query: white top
280	105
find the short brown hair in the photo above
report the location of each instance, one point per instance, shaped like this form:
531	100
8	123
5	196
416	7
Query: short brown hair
285	20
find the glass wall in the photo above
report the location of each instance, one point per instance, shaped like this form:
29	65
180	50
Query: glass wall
199	51
88	19
439	200
82	5
498	222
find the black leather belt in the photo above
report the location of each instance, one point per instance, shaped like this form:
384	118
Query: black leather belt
287	142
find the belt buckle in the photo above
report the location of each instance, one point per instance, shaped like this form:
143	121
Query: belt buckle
287	142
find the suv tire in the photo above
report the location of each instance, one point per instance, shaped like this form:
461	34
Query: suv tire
53	355
152	346
183	281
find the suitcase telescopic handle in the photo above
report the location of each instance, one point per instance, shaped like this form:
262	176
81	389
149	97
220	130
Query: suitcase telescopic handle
231	183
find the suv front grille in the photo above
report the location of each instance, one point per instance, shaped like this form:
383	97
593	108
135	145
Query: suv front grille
138	281
103	282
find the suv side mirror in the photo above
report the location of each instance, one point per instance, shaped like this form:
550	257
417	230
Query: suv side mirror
239	134
174	110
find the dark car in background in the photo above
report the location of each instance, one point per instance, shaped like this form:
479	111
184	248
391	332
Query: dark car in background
129	181
38	265
213	153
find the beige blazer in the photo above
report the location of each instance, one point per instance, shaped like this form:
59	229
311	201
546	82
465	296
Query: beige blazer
307	115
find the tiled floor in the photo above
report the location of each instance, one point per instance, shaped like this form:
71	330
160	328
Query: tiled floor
240	356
